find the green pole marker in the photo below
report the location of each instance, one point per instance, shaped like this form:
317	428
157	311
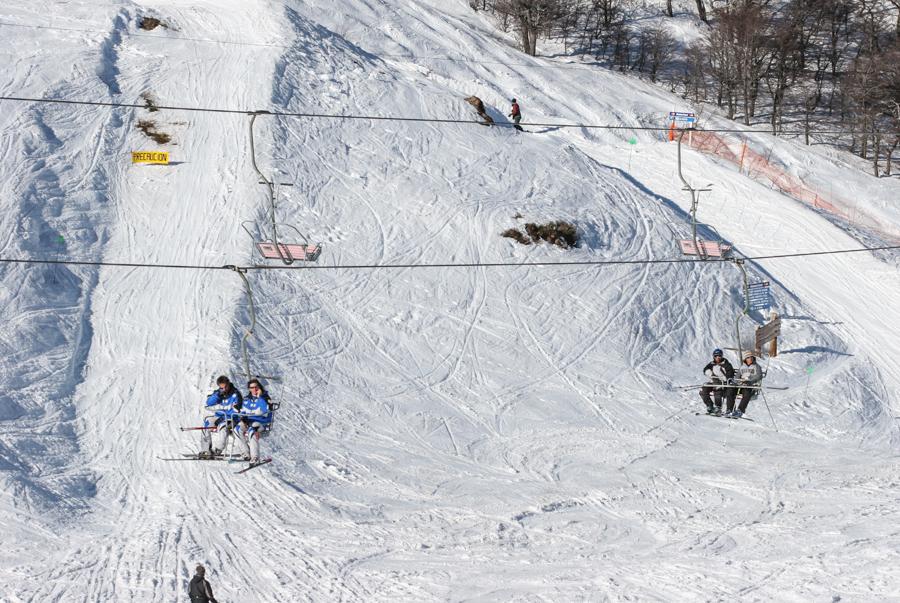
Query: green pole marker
632	141
809	372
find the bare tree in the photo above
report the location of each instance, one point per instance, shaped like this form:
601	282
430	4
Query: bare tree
862	90
738	55
621	37
657	48
532	18
721	64
601	23
896	4
890	101
785	60
701	11
696	84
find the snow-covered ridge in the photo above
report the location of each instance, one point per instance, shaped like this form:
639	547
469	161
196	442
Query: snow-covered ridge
446	434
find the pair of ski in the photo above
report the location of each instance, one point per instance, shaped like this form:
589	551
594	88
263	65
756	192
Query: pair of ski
732	386
229	458
721	416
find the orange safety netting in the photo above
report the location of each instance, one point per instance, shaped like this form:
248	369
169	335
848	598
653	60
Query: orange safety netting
761	168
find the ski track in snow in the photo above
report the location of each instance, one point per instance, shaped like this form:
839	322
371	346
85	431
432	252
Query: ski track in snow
456	434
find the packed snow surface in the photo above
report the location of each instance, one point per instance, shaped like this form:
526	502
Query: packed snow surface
468	433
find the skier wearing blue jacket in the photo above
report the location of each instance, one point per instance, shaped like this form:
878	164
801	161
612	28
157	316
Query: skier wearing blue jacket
253	416
223	403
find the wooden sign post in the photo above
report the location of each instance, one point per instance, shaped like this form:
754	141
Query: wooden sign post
768	333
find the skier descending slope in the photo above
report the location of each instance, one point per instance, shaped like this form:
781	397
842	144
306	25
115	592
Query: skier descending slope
719	372
750	375
199	589
253	417
224	402
516	115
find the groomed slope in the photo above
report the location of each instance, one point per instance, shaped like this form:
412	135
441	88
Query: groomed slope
478	433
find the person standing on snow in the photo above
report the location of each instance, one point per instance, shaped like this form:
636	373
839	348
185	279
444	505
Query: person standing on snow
223	403
199	589
719	372
516	115
254	415
750	374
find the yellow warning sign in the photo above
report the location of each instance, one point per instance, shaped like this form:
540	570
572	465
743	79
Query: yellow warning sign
150	157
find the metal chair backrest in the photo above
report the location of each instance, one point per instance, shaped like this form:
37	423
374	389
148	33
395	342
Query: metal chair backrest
289	251
706	248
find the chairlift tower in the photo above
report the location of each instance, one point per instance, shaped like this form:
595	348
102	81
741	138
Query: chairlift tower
245	354
696	246
706	249
739	262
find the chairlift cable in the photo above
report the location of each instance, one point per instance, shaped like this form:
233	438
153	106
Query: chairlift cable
413	119
306	266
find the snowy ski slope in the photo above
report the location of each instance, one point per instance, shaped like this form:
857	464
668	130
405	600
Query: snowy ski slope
477	433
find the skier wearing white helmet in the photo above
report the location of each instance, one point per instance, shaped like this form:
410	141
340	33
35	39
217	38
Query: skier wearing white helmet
751	376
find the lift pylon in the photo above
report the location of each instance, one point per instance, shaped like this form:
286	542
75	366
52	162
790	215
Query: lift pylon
695	245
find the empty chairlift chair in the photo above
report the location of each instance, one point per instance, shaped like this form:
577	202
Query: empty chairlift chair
705	249
288	253
709	249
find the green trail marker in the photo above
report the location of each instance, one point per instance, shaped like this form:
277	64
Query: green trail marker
632	141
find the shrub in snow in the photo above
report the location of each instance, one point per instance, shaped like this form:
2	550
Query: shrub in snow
149	128
150	102
515	233
560	233
150	23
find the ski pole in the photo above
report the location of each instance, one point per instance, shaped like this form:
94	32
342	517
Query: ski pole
209	428
671	416
769	409
230	428
725	385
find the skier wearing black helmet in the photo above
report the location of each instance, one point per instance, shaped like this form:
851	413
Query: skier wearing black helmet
516	115
719	372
